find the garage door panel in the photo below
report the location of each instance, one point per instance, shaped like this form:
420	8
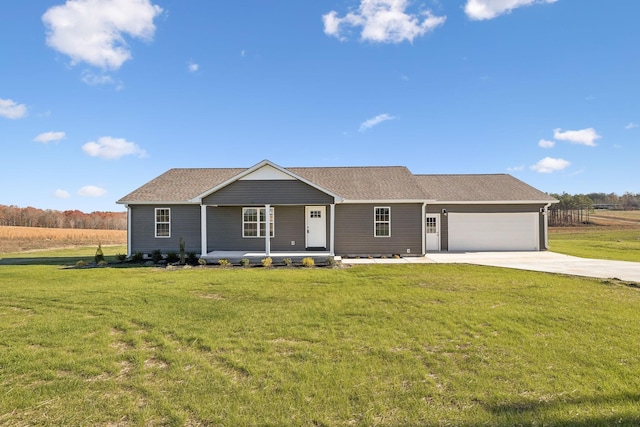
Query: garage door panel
493	231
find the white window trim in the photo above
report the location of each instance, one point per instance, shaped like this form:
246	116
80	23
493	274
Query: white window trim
375	221
272	227
156	222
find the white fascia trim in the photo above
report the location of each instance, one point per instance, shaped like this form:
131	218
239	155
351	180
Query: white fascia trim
198	198
158	202
493	202
387	201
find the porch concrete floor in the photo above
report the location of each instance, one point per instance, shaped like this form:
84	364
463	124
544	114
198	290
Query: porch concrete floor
238	255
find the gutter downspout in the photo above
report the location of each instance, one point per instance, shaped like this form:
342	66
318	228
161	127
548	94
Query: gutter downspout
546	226
129	252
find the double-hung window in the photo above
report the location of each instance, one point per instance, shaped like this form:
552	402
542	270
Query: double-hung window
254	222
382	222
163	222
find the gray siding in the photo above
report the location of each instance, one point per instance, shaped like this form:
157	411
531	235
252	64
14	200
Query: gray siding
224	230
275	192
185	223
510	208
354	230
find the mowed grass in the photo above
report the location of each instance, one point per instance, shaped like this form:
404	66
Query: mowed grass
606	238
68	256
370	345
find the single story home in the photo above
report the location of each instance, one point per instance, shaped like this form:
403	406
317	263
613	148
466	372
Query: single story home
347	211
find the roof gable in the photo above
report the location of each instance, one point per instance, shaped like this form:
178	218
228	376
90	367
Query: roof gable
265	170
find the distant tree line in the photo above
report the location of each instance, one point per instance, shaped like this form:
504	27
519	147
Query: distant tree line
628	201
34	217
575	209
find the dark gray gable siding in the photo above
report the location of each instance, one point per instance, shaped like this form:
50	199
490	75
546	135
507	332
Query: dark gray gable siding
275	192
510	208
354	230
224	230
185	223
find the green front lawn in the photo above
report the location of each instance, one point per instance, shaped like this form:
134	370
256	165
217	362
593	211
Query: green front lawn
370	345
588	242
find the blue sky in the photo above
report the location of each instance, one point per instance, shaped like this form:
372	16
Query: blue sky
97	97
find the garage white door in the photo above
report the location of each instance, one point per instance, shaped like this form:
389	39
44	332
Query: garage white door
493	231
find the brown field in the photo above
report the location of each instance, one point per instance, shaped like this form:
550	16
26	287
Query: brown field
19	239
604	220
616	215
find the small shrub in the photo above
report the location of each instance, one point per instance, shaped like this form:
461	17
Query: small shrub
222	262
121	257
266	262
192	258
172	257
103	263
202	261
99	254
308	262
156	256
331	261
81	263
287	262
244	262
137	257
396	256
383	256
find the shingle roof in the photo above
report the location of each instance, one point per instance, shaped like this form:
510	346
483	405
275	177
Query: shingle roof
365	183
350	183
180	185
479	188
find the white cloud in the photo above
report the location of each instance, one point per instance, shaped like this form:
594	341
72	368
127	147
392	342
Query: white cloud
631	125
91	191
61	194
515	168
367	124
112	148
383	21
193	67
545	143
93	79
48	137
549	165
489	9
584	136
93	31
11	109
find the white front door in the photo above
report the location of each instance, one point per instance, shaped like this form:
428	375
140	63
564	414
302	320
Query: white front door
316	223
432	230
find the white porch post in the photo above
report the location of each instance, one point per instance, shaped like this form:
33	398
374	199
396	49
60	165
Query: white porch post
332	228
129	252
267	227
203	230
424	230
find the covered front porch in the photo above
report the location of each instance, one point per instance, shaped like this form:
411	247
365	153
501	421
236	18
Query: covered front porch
276	231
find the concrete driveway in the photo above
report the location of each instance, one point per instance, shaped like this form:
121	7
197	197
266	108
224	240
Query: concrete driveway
549	262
